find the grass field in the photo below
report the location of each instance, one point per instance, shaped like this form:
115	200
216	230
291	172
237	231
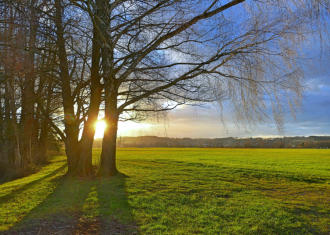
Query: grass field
178	191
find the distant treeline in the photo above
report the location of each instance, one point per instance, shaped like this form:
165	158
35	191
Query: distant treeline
284	142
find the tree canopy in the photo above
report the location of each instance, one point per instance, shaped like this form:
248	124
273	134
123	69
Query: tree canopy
64	61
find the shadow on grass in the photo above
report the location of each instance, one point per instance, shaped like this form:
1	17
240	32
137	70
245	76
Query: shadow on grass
114	209
82	206
28	185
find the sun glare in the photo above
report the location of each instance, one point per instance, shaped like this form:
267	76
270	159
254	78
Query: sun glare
128	128
100	126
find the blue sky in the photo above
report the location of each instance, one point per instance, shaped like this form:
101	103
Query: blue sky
312	118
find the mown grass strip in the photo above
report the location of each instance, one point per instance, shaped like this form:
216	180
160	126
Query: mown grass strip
56	163
19	199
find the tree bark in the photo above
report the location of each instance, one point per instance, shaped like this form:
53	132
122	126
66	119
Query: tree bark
28	92
8	129
85	166
15	153
43	142
71	150
108	155
70	121
108	165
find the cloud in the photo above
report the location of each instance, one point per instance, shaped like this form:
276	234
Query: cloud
312	118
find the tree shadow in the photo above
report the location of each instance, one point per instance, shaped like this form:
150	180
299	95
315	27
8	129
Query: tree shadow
106	209
20	189
82	206
59	212
116	215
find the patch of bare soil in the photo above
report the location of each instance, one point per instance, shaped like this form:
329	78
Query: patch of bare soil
89	226
114	227
42	227
60	226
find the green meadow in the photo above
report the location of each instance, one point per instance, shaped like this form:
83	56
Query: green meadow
177	191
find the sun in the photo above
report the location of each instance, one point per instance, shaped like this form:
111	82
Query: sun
100	127
127	128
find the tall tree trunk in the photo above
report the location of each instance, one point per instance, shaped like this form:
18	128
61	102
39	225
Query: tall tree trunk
15	153
27	121
44	129
85	167
70	121
8	131
3	157
28	97
71	150
12	142
108	156
43	141
108	165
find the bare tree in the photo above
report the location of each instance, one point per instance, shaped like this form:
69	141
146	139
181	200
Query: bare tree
27	87
136	58
162	54
80	106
